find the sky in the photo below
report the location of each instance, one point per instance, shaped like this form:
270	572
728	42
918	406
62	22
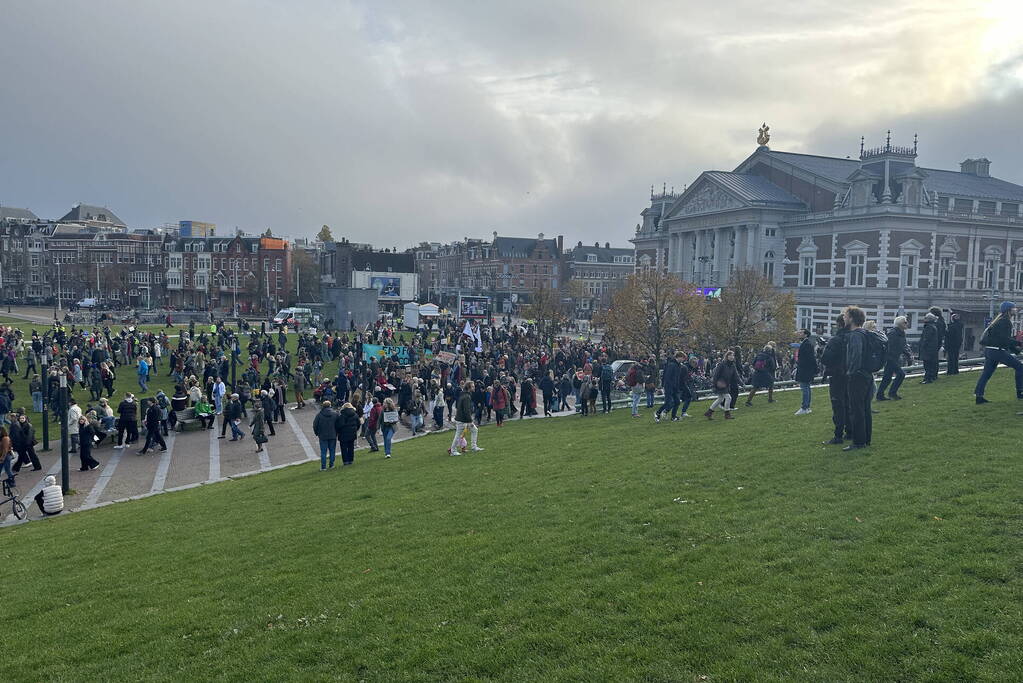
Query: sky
396	122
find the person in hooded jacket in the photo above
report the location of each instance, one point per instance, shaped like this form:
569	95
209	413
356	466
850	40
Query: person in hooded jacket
764	366
346	425
953	344
671	381
833	360
323	428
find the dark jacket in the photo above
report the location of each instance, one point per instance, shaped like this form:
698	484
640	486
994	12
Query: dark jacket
856	352
930	340
806	361
999	335
725	373
323	425
672	375
22	435
897	345
833	357
463	410
153	417
233	410
346	424
127	411
764	377
954	335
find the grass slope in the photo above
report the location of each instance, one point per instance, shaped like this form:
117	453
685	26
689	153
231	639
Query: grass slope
602	548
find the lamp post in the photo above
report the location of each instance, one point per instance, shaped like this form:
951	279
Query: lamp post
46	401
65	473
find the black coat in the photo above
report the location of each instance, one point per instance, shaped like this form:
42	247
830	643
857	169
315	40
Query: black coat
323	425
999	335
930	340
806	362
954	335
833	357
896	345
346	424
672	375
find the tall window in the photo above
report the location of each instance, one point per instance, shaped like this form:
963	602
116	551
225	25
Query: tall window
807	266
857	270
990	269
945	273
908	266
805	318
769	265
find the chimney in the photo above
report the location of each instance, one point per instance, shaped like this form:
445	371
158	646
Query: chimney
561	243
540	236
978	167
579	244
495	234
607	245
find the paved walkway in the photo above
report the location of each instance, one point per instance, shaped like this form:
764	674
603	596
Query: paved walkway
193	458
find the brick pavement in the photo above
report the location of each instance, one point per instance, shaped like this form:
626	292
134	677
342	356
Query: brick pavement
193	458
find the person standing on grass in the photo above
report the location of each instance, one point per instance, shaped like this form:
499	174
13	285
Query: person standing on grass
833	360
607	376
764	367
671	382
893	372
463	419
547	387
634	381
35	388
930	347
143	374
346	426
323	428
373	424
74	412
806	369
953	344
723	376
999	345
860	379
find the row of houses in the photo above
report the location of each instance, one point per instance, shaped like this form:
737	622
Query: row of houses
91	253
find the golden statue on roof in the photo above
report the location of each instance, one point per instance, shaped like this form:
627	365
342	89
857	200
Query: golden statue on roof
764	135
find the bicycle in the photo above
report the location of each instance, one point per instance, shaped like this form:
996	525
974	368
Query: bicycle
11	495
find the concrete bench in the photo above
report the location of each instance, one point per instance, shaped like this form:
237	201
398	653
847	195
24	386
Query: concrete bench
186	418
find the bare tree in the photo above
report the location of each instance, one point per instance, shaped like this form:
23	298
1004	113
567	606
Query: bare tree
550	309
750	312
653	313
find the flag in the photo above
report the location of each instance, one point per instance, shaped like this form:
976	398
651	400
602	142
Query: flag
479	340
467	330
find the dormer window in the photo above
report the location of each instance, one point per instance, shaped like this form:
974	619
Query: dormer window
591	258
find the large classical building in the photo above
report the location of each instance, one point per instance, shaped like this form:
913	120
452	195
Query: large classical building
878	231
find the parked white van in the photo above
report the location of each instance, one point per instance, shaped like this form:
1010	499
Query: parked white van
290	316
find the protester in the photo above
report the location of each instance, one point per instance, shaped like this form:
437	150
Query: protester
389	423
152	420
86	438
953	344
346	426
724	374
806	369
893	372
860	379
930	346
323	428
765	365
463	420
999	346
833	359
23	442
257	423
671	381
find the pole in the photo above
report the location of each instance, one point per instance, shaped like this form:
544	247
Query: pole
46	404
58	288
235	285
65	466
298	283
97	280
902	289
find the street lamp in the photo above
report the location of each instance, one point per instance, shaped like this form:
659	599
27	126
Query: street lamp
65	472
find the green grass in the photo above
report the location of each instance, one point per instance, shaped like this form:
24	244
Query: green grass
602	548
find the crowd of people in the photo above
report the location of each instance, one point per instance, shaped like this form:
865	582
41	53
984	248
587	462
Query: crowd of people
455	375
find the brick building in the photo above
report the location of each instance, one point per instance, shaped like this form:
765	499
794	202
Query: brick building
599	272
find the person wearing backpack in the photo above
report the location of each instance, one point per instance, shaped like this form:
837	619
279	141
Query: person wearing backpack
859	376
833	360
806	369
764	367
999	346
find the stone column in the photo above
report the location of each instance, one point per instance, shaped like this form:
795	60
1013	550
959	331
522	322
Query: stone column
697	264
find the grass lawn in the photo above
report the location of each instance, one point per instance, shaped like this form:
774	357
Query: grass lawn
592	549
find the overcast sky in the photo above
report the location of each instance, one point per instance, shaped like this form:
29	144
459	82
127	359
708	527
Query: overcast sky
397	122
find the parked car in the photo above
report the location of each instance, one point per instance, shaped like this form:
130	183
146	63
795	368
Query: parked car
88	302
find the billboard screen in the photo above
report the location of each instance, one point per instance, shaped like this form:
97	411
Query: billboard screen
474	307
387	287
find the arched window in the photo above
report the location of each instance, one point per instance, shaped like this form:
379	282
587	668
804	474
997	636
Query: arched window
769	265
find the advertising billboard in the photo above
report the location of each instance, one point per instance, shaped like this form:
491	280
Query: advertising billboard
474	307
387	287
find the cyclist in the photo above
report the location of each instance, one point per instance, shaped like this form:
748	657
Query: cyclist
6	454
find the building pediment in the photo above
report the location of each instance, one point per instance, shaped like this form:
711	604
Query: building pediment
911	245
705	196
855	246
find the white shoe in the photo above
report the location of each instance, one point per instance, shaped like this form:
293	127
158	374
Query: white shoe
476	449
386	456
686	415
801	411
808	411
118	446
